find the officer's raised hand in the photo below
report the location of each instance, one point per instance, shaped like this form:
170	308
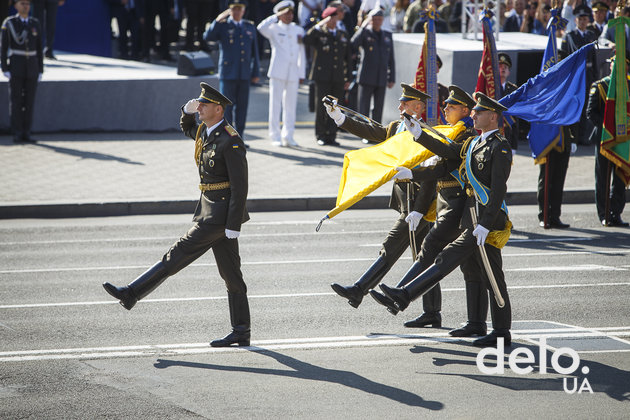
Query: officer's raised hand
224	15
335	113
413	126
413	220
191	106
481	233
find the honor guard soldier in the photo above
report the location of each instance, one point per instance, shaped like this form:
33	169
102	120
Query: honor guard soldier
617	190
23	64
451	203
220	157
238	60
412	102
287	69
507	87
486	161
330	69
600	13
377	68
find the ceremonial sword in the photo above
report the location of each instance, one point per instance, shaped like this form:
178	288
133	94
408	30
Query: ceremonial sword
334	102
486	262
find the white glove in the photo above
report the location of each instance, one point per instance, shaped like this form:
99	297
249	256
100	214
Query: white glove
39	78
413	126
335	114
573	148
191	106
403	173
7	75
413	219
432	161
481	233
232	234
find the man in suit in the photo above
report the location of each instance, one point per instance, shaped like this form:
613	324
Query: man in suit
330	69
617	189
413	102
377	69
238	60
287	69
128	20
487	162
23	64
45	11
515	20
220	158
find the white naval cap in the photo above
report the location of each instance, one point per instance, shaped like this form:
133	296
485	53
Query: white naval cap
284	4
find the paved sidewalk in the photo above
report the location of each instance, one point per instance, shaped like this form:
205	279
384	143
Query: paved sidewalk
97	174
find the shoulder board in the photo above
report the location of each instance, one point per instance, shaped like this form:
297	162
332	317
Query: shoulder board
251	22
231	130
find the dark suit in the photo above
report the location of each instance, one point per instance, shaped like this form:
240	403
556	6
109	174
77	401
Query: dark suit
330	70
128	20
491	162
376	68
238	64
397	240
595	113
25	64
513	23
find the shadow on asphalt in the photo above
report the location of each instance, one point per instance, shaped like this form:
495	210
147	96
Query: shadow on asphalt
307	161
602	378
604	238
307	371
87	155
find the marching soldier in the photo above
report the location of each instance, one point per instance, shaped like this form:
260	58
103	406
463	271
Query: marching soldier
595	113
487	161
451	203
238	60
220	157
412	102
23	64
329	70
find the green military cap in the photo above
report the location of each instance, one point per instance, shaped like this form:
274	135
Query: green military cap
486	104
237	3
211	95
505	59
410	94
600	5
458	96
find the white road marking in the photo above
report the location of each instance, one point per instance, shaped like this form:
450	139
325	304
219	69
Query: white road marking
290	295
169	350
583	267
304	261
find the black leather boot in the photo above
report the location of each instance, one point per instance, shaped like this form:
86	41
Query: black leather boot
490	340
414	271
432	319
419	286
239	317
139	288
368	280
477	306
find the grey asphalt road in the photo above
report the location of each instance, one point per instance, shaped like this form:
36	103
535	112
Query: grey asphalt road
68	351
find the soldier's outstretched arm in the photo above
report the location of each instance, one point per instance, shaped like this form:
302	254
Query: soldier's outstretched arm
431	173
372	132
448	151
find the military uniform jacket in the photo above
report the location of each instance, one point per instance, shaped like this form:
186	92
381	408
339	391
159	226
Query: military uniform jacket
332	54
491	164
21	47
288	60
423	192
573	41
511	131
222	159
376	66
596	105
238	56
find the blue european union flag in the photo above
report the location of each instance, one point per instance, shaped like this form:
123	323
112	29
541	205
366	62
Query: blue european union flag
554	97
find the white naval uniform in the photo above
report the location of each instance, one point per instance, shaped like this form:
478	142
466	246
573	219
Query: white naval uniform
286	67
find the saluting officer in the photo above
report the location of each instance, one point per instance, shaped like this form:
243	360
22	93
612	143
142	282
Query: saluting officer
23	64
287	69
220	157
377	68
487	160
330	69
238	60
451	203
412	102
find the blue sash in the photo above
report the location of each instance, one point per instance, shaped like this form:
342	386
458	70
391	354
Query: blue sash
481	191
468	122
